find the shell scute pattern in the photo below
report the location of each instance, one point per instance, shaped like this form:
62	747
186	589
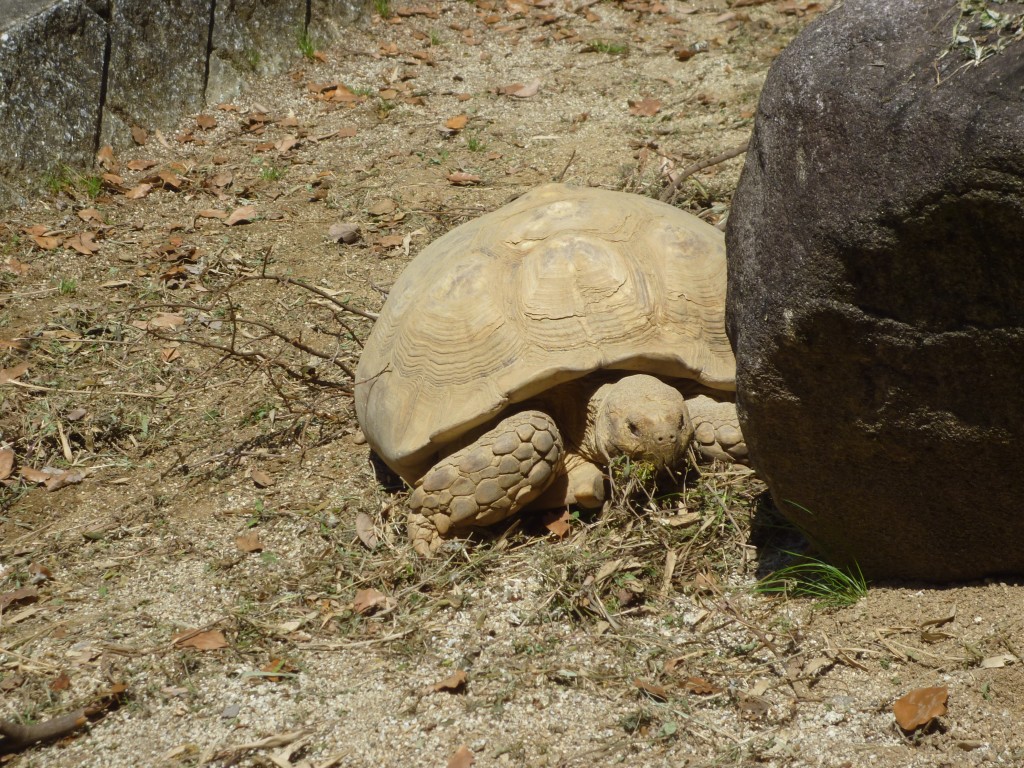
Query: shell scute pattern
560	283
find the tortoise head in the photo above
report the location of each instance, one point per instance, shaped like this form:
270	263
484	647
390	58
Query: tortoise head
641	417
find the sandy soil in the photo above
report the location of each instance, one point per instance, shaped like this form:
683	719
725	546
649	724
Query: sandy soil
209	477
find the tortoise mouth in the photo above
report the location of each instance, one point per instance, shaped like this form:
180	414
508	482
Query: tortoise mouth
666	456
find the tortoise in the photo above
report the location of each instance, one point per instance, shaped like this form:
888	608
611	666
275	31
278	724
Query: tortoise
520	353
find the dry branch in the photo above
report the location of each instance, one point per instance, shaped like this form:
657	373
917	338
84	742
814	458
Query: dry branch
671	189
16	737
233	350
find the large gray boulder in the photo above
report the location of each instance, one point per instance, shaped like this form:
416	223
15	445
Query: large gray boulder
876	288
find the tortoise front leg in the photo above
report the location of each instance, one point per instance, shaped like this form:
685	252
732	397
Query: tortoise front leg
582	483
716	429
487	481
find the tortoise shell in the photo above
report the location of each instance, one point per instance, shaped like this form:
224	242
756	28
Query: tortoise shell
562	282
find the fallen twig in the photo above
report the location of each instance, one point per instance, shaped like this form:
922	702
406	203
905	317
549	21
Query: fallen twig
670	190
271	742
16	737
568	163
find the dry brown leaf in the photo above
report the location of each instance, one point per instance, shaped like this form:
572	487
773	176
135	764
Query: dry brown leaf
368	600
655	691
999	661
276	666
114	181
607	569
706	584
644	107
700	686
285	144
753	707
345	96
670	664
169	354
684	518
456	123
139	135
521	90
418	10
141	165
138	191
211	213
105	157
17	267
382	207
390	241
206	122
83	243
10	374
463	758
33	475
462	179
170	179
60	683
6	462
166	320
23	595
46	242
211	640
345	133
314	87
11	682
220	180
557	522
261	479
40	571
919	707
58	480
344	232
242	215
90	215
249	542
454	683
364	527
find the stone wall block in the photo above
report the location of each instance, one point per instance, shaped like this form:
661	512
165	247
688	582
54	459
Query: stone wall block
78	74
156	74
328	19
51	77
252	37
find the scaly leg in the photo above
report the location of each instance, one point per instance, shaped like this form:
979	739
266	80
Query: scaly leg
716	429
487	481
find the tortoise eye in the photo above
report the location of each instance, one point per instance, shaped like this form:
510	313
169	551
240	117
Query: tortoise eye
633	428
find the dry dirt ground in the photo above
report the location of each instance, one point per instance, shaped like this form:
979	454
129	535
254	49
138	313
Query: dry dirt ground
194	546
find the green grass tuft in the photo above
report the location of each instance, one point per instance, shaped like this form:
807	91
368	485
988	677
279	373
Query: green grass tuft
828	584
605	46
306	46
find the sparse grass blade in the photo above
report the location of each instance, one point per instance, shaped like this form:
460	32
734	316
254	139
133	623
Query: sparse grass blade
823	582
